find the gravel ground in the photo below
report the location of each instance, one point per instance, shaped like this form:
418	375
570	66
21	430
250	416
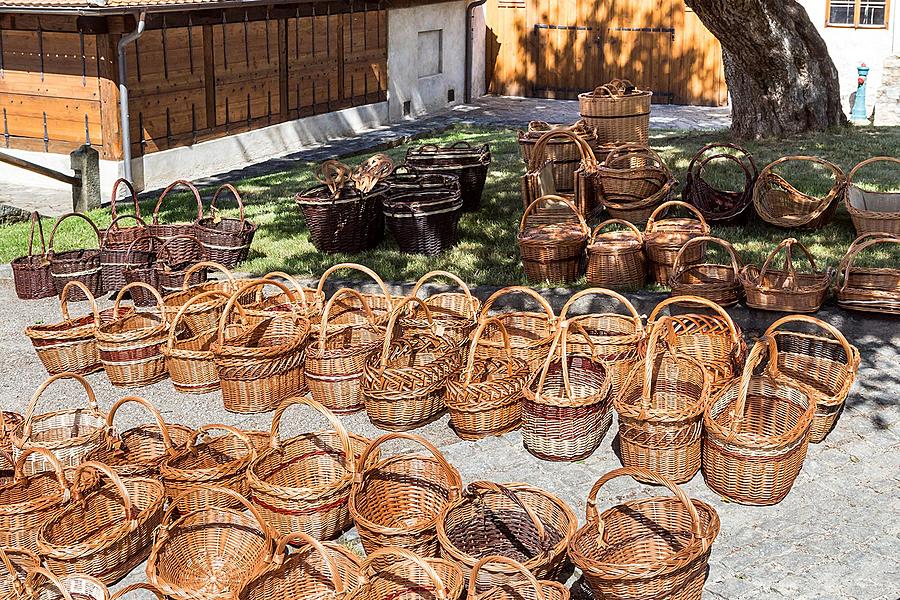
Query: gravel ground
836	536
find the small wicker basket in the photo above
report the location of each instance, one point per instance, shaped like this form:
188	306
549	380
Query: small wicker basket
786	290
616	259
716	282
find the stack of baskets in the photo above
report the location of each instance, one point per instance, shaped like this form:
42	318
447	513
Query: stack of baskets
468	163
422	210
552	246
117	239
618	111
541	174
565	154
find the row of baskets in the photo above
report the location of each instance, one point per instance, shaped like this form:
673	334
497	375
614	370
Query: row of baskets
419	203
156	253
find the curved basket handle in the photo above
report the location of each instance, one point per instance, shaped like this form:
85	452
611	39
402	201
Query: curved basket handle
687	299
553	197
227	187
54	580
749	177
869	161
631	150
440	590
754	359
478	487
157	416
473	345
36	220
593	515
392	322
150	241
216	491
678	267
673	204
361	269
434	274
281	553
335	423
849	349
527	575
596	291
229	306
58	469
64	299
67	216
623	222
323	330
207	264
178	182
191	444
537	153
141	585
855	249
17	585
517	289
298	288
160	305
655	340
560	340
699	157
32	403
788	246
115	224
173	325
134	200
164	249
449	470
130	513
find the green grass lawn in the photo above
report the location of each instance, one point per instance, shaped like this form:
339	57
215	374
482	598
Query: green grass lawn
487	252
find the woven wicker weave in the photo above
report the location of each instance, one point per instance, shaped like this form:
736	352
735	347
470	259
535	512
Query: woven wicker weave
540	177
140	258
516	582
227	240
468	163
397	573
649	547
615	259
786	290
618	110
310	301
114	255
778	202
381	304
31	272
872	211
632	182
190	359
203	316
145	587
664	239
82	264
16	564
869	289
824	361
183	250
454	314
757	432
28	501
531	333
41	584
720	206
117	236
552	251
716	282
396	501
565	154
174	260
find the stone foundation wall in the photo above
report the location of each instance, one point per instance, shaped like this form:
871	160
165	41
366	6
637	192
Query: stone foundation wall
887	101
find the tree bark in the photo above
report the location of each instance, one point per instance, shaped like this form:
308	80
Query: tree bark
779	73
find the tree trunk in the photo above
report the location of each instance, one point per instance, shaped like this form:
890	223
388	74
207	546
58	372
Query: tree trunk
780	76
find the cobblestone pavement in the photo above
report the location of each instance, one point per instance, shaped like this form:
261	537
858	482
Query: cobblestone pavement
835	537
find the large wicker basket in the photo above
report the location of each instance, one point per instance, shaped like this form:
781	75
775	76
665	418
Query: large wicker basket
27	501
778	202
426	220
720	206
189	356
633	181
82	264
349	221
31	272
618	111
182	250
469	163
227	240
552	250
872	211
540	176
869	289
786	290
531	333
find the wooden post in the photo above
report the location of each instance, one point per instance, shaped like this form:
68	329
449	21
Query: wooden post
86	193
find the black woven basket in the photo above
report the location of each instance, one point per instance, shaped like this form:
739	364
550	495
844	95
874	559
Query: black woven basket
227	241
31	273
424	222
351	221
469	163
82	264
720	206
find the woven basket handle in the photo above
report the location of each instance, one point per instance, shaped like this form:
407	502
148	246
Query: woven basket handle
130	513
207	264
229	306
191	444
473	347
67	216
142	585
847	262
637	232
788	247
849	349
649	360
871	235
157	416
480	487
370	454
215	491
869	161
335	423
36	220
678	267
520	569
701	158
596	291
150	240
665	206
291	280
53	579
593	514
281	553
634	150
115	195
392	322
115	225
32	403
160	305
362	269
179	182
163	255
440	589
233	190
749	177
559	341
323	333
58	469
765	344
448	275
554	198
64	299
537	153
513	289
202	297
17	585
705	302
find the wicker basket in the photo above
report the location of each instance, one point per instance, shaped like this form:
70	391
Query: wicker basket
202	316
139	267
660	411
138	452
303	483
173	268
227	240
260	364
618	111
351	221
310	300
485	398
424	220
382	305
615	259
720	206
324	571
665	238
73	587
31	272
779	203
17	563
632	182
130	345
531	333
713	340
552	251
565	154
869	289
396	501
757	432
454	314
207	464
786	290
567	414
469	163
392	573
113	258
29	501
117	236
513	520
81	265
123	516
190	359
540	176
716	282
648	547
70	433
825	362
210	552
616	340
515	582
183	250
872	211
145	587
335	361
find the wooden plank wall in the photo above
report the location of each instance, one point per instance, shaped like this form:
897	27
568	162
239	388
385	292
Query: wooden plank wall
558	48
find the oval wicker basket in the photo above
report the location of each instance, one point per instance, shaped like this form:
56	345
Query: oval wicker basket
201	317
346	220
189	358
869	289
616	259
31	272
28	501
720	206
519	584
716	282
633	181
467	162
227	240
81	264
454	314
781	204
552	251
182	250
664	239
872	211
785	290
392	573
618	110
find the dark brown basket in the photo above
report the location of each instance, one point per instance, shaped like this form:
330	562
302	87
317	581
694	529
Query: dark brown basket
182	250
171	270
81	265
139	267
117	236
31	273
720	206
469	163
350	222
424	221
227	241
114	257
786	290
